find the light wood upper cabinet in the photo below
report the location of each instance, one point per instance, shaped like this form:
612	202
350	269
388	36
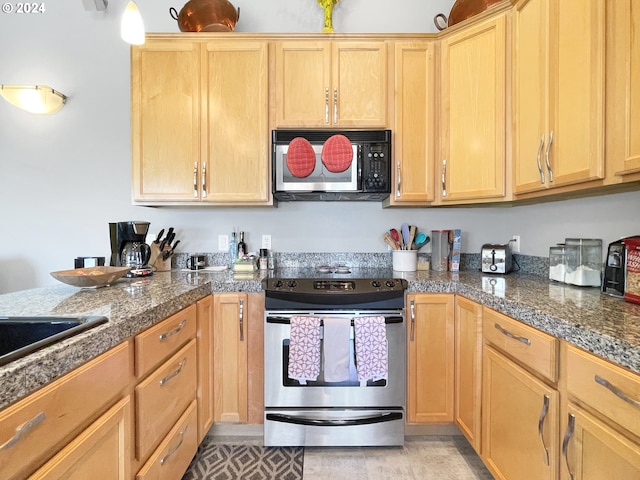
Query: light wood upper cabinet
414	125
558	93
200	128
326	84
430	363
472	159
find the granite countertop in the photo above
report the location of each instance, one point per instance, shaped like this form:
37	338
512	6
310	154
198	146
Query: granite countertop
606	326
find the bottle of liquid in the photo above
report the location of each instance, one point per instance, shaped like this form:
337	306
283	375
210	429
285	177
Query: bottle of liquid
242	247
233	249
264	259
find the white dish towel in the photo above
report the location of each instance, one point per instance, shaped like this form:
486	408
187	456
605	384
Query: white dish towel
371	348
336	349
304	349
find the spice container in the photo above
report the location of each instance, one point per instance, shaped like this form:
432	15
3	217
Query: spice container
557	262
583	261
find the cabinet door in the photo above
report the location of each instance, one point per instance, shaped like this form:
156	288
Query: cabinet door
520	437
165	126
204	347
430	364
468	373
236	163
230	357
592	450
473	114
414	127
303	84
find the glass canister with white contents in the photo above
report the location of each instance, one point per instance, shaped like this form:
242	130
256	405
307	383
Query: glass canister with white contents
584	262
557	262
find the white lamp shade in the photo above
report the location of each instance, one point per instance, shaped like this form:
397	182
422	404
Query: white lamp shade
132	26
33	98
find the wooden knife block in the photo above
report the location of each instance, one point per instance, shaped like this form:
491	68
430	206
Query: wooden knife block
156	261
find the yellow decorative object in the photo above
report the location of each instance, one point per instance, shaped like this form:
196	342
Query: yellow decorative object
328	14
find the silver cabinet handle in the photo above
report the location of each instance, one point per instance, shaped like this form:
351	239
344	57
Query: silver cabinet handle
546	157
444	178
204	180
543	416
174	374
195	179
617	392
335	105
241	320
540	163
178	329
23	429
398	179
175	449
507	333
412	306
326	105
565	442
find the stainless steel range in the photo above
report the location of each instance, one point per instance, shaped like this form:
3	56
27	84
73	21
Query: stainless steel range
325	410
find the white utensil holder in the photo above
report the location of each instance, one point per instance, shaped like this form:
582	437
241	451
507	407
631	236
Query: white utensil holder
405	260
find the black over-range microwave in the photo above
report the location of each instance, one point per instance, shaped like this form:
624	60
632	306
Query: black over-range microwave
331	165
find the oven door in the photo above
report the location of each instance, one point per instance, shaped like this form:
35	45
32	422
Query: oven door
320	179
282	391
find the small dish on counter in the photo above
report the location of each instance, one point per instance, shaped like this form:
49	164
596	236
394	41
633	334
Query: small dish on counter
90	277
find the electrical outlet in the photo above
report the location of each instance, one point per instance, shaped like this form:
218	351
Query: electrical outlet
223	243
266	241
515	244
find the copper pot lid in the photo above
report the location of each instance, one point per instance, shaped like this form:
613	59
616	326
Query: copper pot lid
337	153
301	159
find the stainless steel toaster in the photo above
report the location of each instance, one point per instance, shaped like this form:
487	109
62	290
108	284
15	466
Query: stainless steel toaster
496	258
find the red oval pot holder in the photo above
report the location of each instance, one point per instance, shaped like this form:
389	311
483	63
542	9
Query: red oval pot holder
337	153
301	159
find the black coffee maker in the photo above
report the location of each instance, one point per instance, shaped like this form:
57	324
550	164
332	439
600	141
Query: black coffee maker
128	247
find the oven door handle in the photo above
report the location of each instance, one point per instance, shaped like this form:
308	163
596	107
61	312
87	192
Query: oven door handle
287	320
384	417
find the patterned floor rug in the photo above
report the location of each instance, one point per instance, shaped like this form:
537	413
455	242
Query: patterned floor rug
245	462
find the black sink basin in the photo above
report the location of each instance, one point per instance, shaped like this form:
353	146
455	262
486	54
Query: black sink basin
20	336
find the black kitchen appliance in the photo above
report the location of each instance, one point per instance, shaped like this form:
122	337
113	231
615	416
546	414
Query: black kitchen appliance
130	237
614	279
331	165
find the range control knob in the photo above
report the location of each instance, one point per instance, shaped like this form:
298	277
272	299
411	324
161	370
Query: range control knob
277	283
390	283
292	284
375	284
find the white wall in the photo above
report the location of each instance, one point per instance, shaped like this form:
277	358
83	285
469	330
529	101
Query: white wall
64	177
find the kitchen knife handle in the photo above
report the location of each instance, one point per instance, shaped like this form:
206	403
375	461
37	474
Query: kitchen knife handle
565	442
398	179
175	449
335	105
195	179
540	163
326	105
412	306
617	392
174	374
546	157
23	429
204	180
543	416
241	320
507	333
444	178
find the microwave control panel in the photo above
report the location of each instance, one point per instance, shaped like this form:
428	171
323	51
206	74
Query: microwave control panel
376	167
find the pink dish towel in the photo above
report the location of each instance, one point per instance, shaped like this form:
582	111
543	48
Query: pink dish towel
337	349
371	348
304	349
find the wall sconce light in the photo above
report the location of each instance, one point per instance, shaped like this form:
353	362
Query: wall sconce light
33	98
131	26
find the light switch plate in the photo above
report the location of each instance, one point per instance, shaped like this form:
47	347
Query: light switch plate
223	243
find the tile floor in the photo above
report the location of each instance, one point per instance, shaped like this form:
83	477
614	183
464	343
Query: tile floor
433	457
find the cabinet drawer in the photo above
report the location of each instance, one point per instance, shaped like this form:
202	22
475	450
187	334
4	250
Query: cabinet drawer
157	343
606	388
532	348
163	396
34	429
172	457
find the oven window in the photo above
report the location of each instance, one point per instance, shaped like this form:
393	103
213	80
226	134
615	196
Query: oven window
353	375
320	174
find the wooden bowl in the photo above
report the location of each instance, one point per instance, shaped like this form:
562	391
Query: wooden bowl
90	277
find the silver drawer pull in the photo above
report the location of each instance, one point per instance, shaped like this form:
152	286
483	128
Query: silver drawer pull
540	163
413	318
565	442
507	333
241	320
195	179
23	429
618	393
546	156
177	372
175	449
178	329
543	416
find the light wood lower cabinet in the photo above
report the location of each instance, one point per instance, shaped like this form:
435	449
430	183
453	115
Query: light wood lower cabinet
430	358
468	373
204	345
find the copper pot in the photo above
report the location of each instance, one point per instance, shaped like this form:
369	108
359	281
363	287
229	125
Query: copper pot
462	10
206	16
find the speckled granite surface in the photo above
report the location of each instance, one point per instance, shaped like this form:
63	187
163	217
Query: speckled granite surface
603	325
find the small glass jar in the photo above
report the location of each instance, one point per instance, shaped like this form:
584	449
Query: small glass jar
264	259
584	266
557	262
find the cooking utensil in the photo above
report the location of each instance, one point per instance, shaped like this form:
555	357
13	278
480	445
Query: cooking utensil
405	235
461	10
390	241
421	240
157	240
395	235
412	235
206	16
